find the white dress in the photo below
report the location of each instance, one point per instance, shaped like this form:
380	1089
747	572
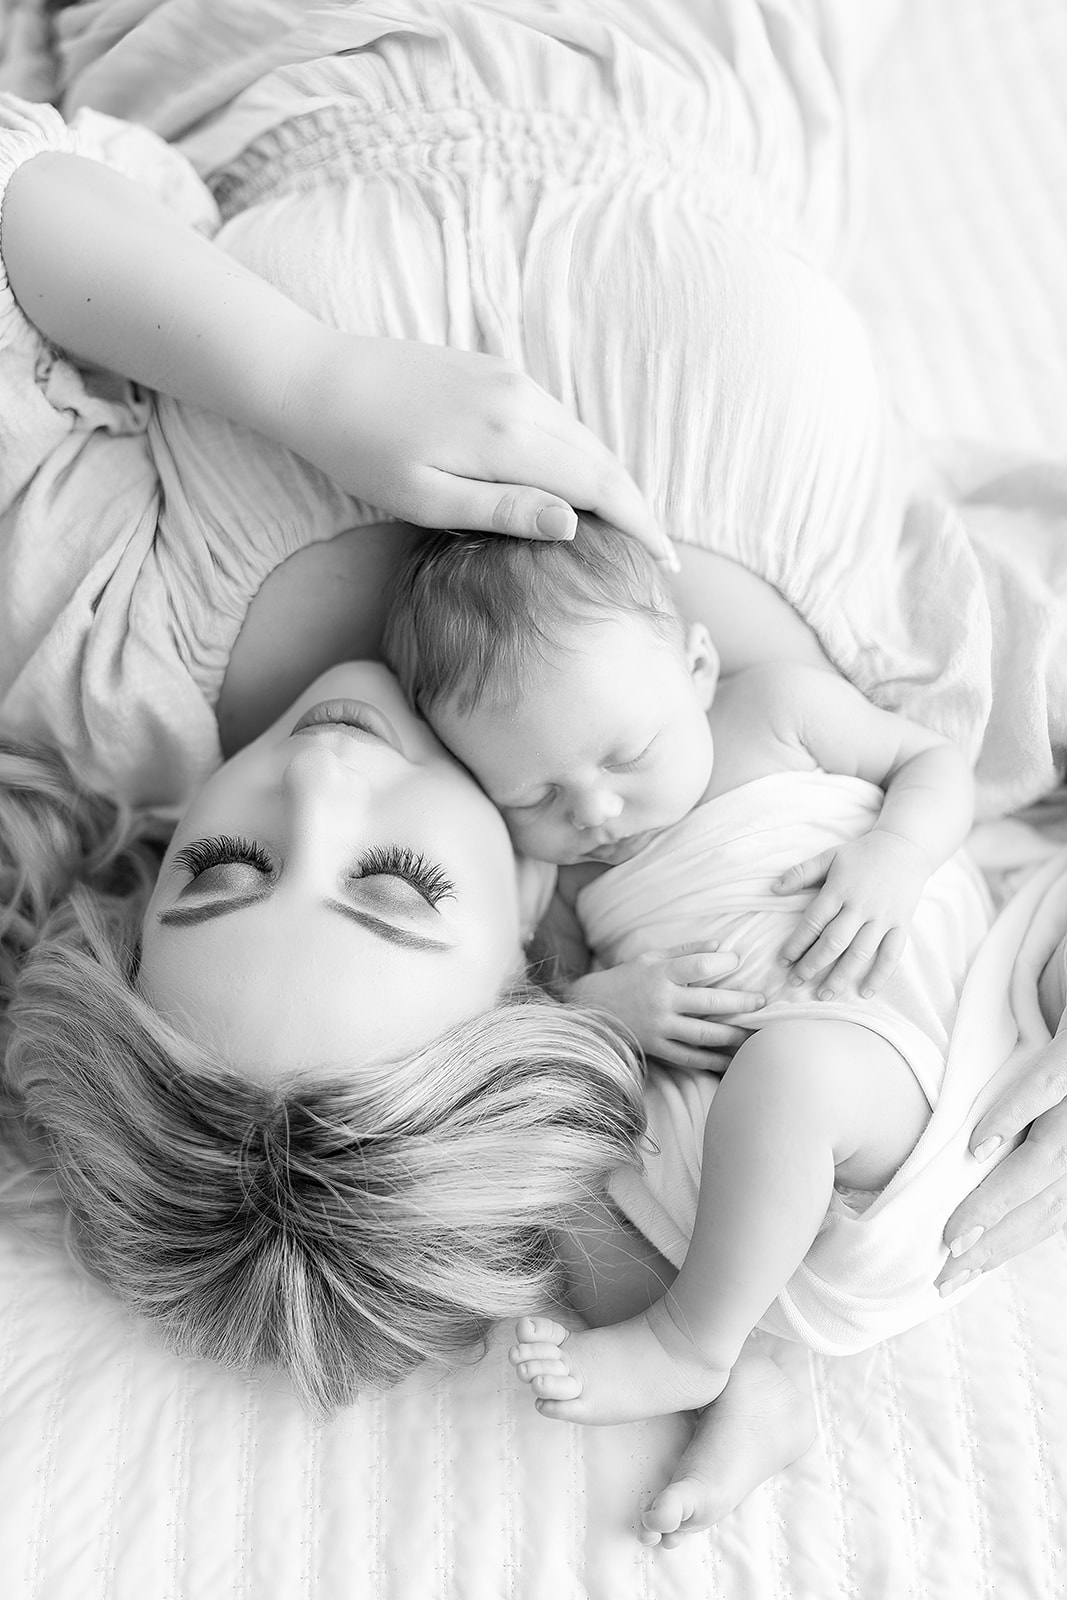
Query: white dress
634	201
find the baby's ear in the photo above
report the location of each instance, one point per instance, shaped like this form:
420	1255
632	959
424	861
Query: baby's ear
702	658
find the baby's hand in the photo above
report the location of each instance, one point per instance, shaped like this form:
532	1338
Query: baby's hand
668	1000
856	927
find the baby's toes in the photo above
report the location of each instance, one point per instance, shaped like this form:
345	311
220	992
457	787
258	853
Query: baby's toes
539	1330
518	1353
549	1366
670	1514
560	1385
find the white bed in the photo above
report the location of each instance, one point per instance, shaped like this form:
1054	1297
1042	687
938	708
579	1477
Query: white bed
941	1464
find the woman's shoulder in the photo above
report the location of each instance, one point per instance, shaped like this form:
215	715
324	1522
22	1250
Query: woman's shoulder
323	604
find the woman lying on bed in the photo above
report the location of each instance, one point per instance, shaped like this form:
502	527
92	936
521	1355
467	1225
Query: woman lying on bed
180	1046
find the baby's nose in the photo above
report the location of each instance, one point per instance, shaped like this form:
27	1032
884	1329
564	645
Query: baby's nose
595	807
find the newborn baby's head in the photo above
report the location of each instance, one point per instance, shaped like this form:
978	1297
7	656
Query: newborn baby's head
564	678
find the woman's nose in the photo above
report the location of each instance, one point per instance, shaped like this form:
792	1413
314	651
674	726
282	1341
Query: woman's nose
316	776
595	807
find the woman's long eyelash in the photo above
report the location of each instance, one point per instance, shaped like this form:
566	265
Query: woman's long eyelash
222	850
399	861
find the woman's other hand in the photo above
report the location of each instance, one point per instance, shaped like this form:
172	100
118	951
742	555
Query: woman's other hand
1024	1199
455	439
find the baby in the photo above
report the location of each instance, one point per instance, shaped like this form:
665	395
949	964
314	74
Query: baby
775	817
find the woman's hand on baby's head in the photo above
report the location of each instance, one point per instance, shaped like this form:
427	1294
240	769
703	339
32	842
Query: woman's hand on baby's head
670	1001
853	931
456	439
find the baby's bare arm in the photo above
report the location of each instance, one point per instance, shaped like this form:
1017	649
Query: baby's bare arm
856	926
928	781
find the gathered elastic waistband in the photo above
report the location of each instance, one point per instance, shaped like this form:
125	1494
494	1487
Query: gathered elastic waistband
332	144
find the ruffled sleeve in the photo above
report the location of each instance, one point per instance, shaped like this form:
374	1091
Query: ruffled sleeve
88	660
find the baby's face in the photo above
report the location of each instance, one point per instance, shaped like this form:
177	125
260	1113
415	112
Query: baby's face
607	742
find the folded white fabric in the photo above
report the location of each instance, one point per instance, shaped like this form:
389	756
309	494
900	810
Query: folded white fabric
870	1274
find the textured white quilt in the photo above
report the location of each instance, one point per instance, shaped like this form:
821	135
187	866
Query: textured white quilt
941	1466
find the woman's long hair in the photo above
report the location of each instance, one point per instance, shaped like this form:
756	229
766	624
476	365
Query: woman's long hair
343	1227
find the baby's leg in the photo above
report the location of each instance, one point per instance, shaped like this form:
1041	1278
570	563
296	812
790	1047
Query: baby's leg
801	1103
758	1426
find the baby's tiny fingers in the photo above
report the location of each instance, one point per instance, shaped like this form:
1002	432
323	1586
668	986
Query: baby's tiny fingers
805	874
672	1053
818	915
827	949
848	970
708	1035
886	961
704	966
700	1002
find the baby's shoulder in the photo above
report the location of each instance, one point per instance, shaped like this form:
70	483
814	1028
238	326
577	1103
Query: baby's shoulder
782	687
789	685
781	708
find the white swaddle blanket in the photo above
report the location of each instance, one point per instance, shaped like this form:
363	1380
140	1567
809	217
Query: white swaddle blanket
869	1273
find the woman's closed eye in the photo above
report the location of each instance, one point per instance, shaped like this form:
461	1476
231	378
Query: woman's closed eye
400	861
223	850
202	856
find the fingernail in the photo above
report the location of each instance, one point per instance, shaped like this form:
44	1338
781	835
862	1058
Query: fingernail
868	994
826	994
983	1151
669	557
797	983
784	961
965	1241
952	1284
556	522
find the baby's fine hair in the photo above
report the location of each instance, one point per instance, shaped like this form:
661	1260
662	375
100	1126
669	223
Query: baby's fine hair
342	1227
470	614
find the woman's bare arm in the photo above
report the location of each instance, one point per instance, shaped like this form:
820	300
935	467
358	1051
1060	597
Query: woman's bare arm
435	436
748	619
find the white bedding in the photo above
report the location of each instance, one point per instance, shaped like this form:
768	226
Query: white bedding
941	1466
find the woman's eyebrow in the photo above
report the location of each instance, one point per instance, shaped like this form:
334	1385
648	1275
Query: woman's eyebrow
191	916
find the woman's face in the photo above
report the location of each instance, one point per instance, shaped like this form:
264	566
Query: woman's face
339	892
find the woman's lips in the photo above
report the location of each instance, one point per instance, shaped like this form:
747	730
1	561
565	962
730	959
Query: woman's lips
356	715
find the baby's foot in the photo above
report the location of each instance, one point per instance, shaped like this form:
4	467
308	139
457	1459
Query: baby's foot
757	1427
642	1368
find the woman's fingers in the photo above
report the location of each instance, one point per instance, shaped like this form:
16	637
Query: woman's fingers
442	500
590	477
1009	1228
536	480
1020	1203
1042	1089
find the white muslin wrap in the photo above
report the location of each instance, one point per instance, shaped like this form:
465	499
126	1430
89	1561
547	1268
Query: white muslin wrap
961	1008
